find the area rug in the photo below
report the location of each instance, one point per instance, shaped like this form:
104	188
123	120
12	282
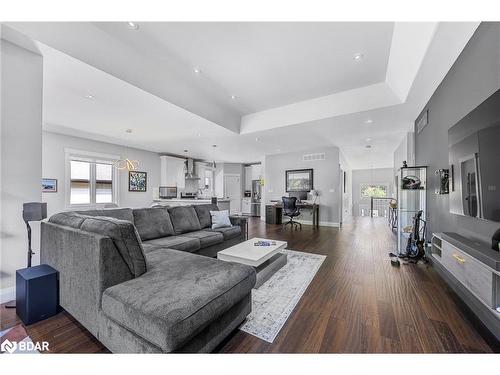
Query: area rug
274	301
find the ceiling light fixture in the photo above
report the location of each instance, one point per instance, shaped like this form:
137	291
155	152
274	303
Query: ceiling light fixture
368	146
368	139
369	121
234	97
257	139
197	70
358	57
132	25
131	165
129	131
214	164
90	97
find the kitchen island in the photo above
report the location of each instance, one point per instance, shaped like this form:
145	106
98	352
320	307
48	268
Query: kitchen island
222	203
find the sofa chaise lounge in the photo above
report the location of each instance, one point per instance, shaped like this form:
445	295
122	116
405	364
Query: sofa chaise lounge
145	280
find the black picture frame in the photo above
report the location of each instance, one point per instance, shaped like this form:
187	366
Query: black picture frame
137	181
304	187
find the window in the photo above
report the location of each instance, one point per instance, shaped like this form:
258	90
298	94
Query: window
80	182
92	179
103	183
373	190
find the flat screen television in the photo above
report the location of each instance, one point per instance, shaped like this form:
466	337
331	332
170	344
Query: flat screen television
474	156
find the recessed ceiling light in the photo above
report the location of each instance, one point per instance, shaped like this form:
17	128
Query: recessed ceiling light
369	121
234	97
90	97
197	70
257	139
368	139
358	57
185	150
132	25
368	146
214	146
199	134
129	131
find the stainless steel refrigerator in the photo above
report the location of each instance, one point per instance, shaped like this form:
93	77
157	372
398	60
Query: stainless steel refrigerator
256	195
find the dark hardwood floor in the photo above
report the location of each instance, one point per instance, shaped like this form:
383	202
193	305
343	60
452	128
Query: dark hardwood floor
357	303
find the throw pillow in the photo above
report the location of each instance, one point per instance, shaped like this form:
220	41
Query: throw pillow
220	219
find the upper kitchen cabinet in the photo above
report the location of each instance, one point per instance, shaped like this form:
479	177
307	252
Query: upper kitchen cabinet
173	171
248	177
256	171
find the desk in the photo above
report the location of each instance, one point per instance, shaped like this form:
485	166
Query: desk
276	209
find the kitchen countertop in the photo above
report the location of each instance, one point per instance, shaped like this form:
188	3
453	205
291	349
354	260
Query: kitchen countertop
187	200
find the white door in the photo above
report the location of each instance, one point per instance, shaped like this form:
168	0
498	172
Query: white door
232	191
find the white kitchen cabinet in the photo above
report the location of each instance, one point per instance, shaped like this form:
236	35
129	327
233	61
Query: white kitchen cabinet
256	171
246	207
248	178
172	171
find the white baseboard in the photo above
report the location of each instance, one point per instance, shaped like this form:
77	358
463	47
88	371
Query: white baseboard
321	223
7	294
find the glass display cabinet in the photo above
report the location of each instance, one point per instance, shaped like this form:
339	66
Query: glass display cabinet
411	200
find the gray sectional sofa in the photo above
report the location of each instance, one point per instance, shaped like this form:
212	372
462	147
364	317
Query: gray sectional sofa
145	280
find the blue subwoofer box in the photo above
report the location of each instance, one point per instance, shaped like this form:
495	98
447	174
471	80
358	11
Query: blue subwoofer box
37	294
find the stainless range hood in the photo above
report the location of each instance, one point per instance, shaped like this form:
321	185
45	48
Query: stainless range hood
190	174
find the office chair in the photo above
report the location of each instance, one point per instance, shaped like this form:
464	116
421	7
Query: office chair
291	210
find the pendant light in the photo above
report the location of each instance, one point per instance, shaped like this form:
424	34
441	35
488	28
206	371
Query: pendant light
128	164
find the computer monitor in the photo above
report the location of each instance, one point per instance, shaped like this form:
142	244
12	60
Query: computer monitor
300	195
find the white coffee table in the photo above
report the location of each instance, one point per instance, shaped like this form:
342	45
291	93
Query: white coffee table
265	259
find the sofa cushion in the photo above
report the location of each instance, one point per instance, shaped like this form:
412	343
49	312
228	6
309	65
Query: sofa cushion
153	223
178	297
184	219
182	243
68	219
117	213
229	232
207	238
203	212
125	238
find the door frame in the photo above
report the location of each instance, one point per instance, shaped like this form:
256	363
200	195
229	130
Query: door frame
240	191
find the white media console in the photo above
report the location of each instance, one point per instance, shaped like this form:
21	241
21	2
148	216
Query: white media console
472	270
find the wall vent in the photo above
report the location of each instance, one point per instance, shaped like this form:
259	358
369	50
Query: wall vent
314	157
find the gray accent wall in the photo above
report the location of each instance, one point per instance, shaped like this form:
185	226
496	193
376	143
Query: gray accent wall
326	180
473	78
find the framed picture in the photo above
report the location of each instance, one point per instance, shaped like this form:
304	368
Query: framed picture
299	180
137	181
49	185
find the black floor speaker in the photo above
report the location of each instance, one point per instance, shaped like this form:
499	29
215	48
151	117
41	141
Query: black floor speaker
37	294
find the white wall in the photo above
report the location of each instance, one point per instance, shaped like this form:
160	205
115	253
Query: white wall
326	180
383	176
53	160
21	156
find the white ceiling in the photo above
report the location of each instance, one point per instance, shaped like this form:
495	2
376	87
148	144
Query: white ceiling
299	77
271	64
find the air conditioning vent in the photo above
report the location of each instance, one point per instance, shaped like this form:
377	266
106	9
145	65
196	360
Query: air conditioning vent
314	157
